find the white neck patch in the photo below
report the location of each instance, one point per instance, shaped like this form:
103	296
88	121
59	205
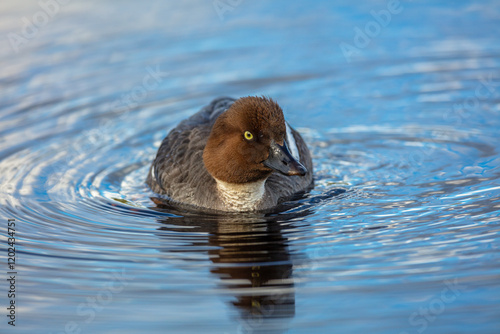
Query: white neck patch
241	197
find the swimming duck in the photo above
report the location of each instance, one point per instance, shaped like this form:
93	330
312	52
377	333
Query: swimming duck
233	155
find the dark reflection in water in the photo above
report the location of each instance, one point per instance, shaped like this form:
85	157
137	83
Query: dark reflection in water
409	125
251	257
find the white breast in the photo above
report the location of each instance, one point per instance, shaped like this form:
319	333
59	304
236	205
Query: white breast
241	197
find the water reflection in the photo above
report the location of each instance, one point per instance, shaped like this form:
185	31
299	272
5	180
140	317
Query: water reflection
251	259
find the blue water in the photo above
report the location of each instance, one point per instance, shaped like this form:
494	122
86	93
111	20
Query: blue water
399	235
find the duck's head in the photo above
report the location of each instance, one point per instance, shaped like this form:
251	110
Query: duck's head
247	143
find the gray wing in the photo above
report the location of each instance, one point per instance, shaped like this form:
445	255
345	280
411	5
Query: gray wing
178	170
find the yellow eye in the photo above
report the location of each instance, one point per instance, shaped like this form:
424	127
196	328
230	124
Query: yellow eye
248	135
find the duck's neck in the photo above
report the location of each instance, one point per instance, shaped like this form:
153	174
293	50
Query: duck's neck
241	196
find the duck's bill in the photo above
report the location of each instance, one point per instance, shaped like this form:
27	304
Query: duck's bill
282	161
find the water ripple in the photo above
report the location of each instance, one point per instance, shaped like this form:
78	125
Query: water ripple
406	153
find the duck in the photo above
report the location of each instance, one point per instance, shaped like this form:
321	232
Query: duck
234	155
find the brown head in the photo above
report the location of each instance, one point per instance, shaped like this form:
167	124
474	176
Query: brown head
247	143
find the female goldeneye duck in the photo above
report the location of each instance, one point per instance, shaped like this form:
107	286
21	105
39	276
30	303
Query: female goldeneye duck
233	155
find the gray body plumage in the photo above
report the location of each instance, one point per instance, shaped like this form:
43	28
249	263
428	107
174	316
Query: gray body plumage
179	172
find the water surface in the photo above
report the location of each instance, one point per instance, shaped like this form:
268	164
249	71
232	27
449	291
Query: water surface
399	235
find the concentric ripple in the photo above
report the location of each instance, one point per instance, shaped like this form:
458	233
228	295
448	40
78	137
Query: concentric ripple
405	145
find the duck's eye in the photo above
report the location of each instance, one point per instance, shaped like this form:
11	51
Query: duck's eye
248	135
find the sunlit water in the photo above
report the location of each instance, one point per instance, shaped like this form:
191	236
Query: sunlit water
399	235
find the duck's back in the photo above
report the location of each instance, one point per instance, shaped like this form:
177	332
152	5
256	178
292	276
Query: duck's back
179	172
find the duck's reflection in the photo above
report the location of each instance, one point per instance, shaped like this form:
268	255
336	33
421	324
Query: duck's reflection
250	255
254	261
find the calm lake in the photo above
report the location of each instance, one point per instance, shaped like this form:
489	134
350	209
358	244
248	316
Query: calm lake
399	102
